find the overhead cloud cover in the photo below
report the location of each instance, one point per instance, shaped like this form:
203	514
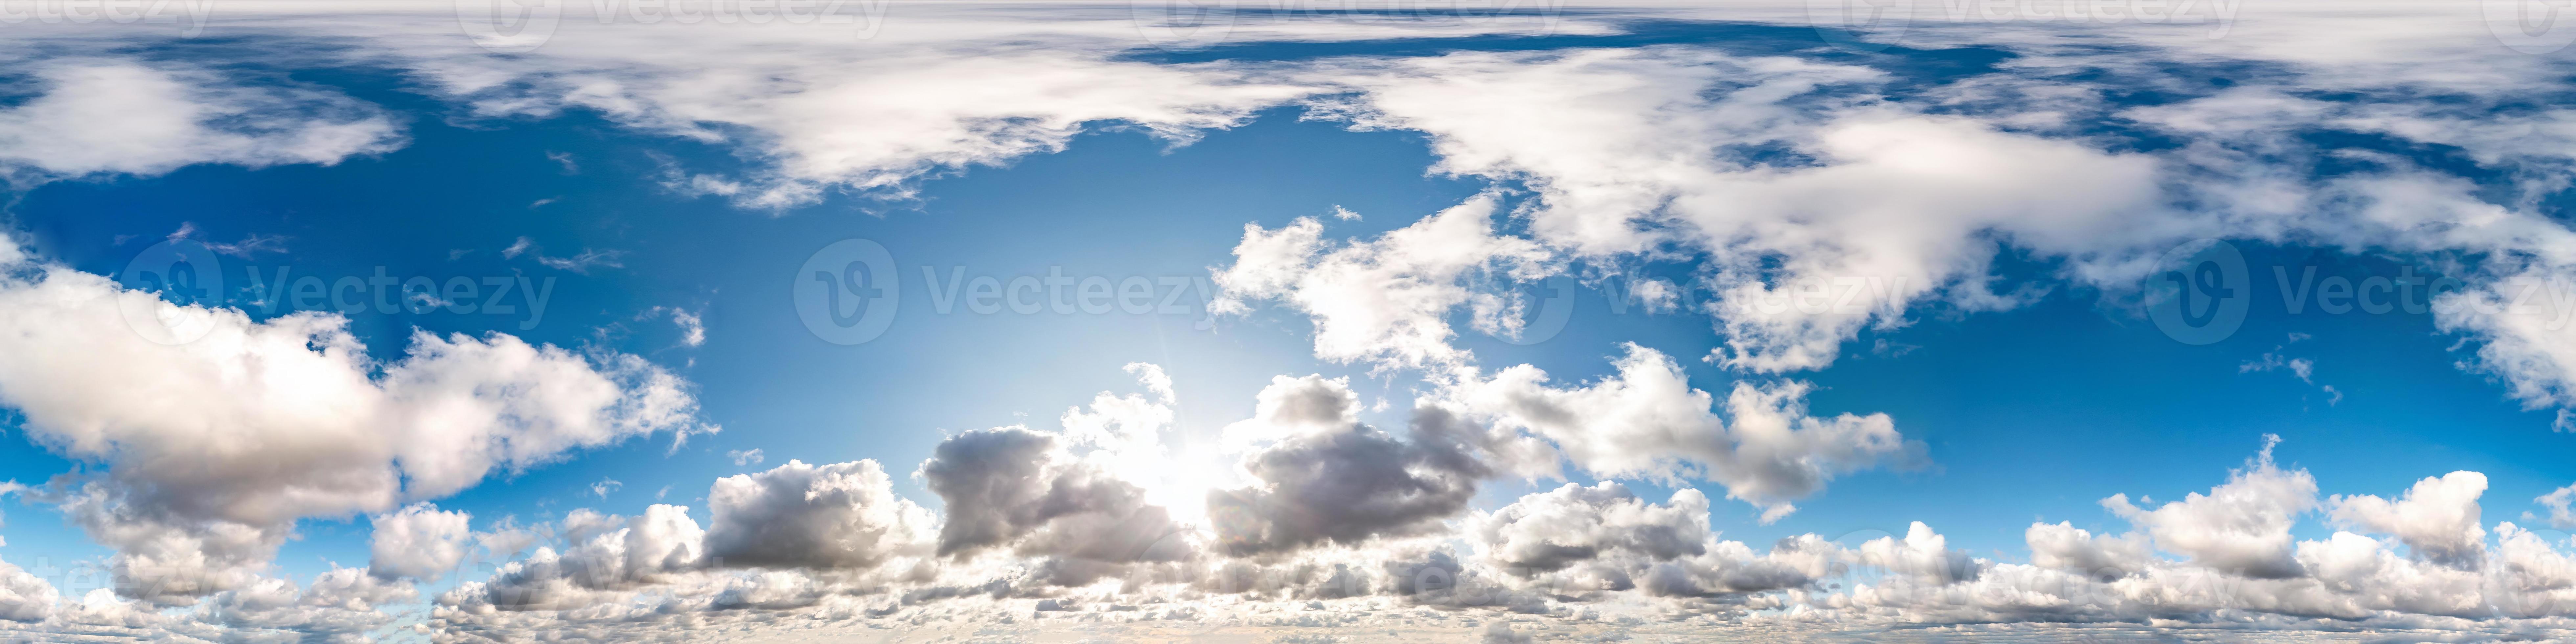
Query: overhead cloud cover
1790	183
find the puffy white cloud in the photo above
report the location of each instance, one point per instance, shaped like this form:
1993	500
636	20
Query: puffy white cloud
2063	546
1549	531
107	115
215	446
418	542
1574	557
2437	519
2557	501
164	557
1388	300
607	554
340	605
1583	541
841	515
2242	526
1922	555
25	597
1648	421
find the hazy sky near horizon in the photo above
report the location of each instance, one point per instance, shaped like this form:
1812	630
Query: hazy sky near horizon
1243	321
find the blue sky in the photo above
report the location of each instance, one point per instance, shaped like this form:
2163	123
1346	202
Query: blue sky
2025	177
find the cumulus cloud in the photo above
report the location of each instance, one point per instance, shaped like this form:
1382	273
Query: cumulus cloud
2242	526
1569	557
2062	546
1339	482
841	515
606	554
1023	489
25	597
1648	421
2437	519
1388	300
215	446
340	605
1578	540
2557	501
418	542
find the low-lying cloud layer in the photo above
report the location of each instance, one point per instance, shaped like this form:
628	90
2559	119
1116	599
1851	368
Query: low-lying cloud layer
1808	195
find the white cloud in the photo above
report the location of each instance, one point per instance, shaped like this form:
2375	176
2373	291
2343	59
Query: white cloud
1647	421
418	542
2437	519
1592	541
2557	501
1631	149
106	116
1387	301
213	447
2062	546
693	329
1575	559
2242	527
584	262
25	597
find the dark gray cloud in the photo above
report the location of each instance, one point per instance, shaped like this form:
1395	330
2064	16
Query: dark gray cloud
1017	488
1343	483
841	515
